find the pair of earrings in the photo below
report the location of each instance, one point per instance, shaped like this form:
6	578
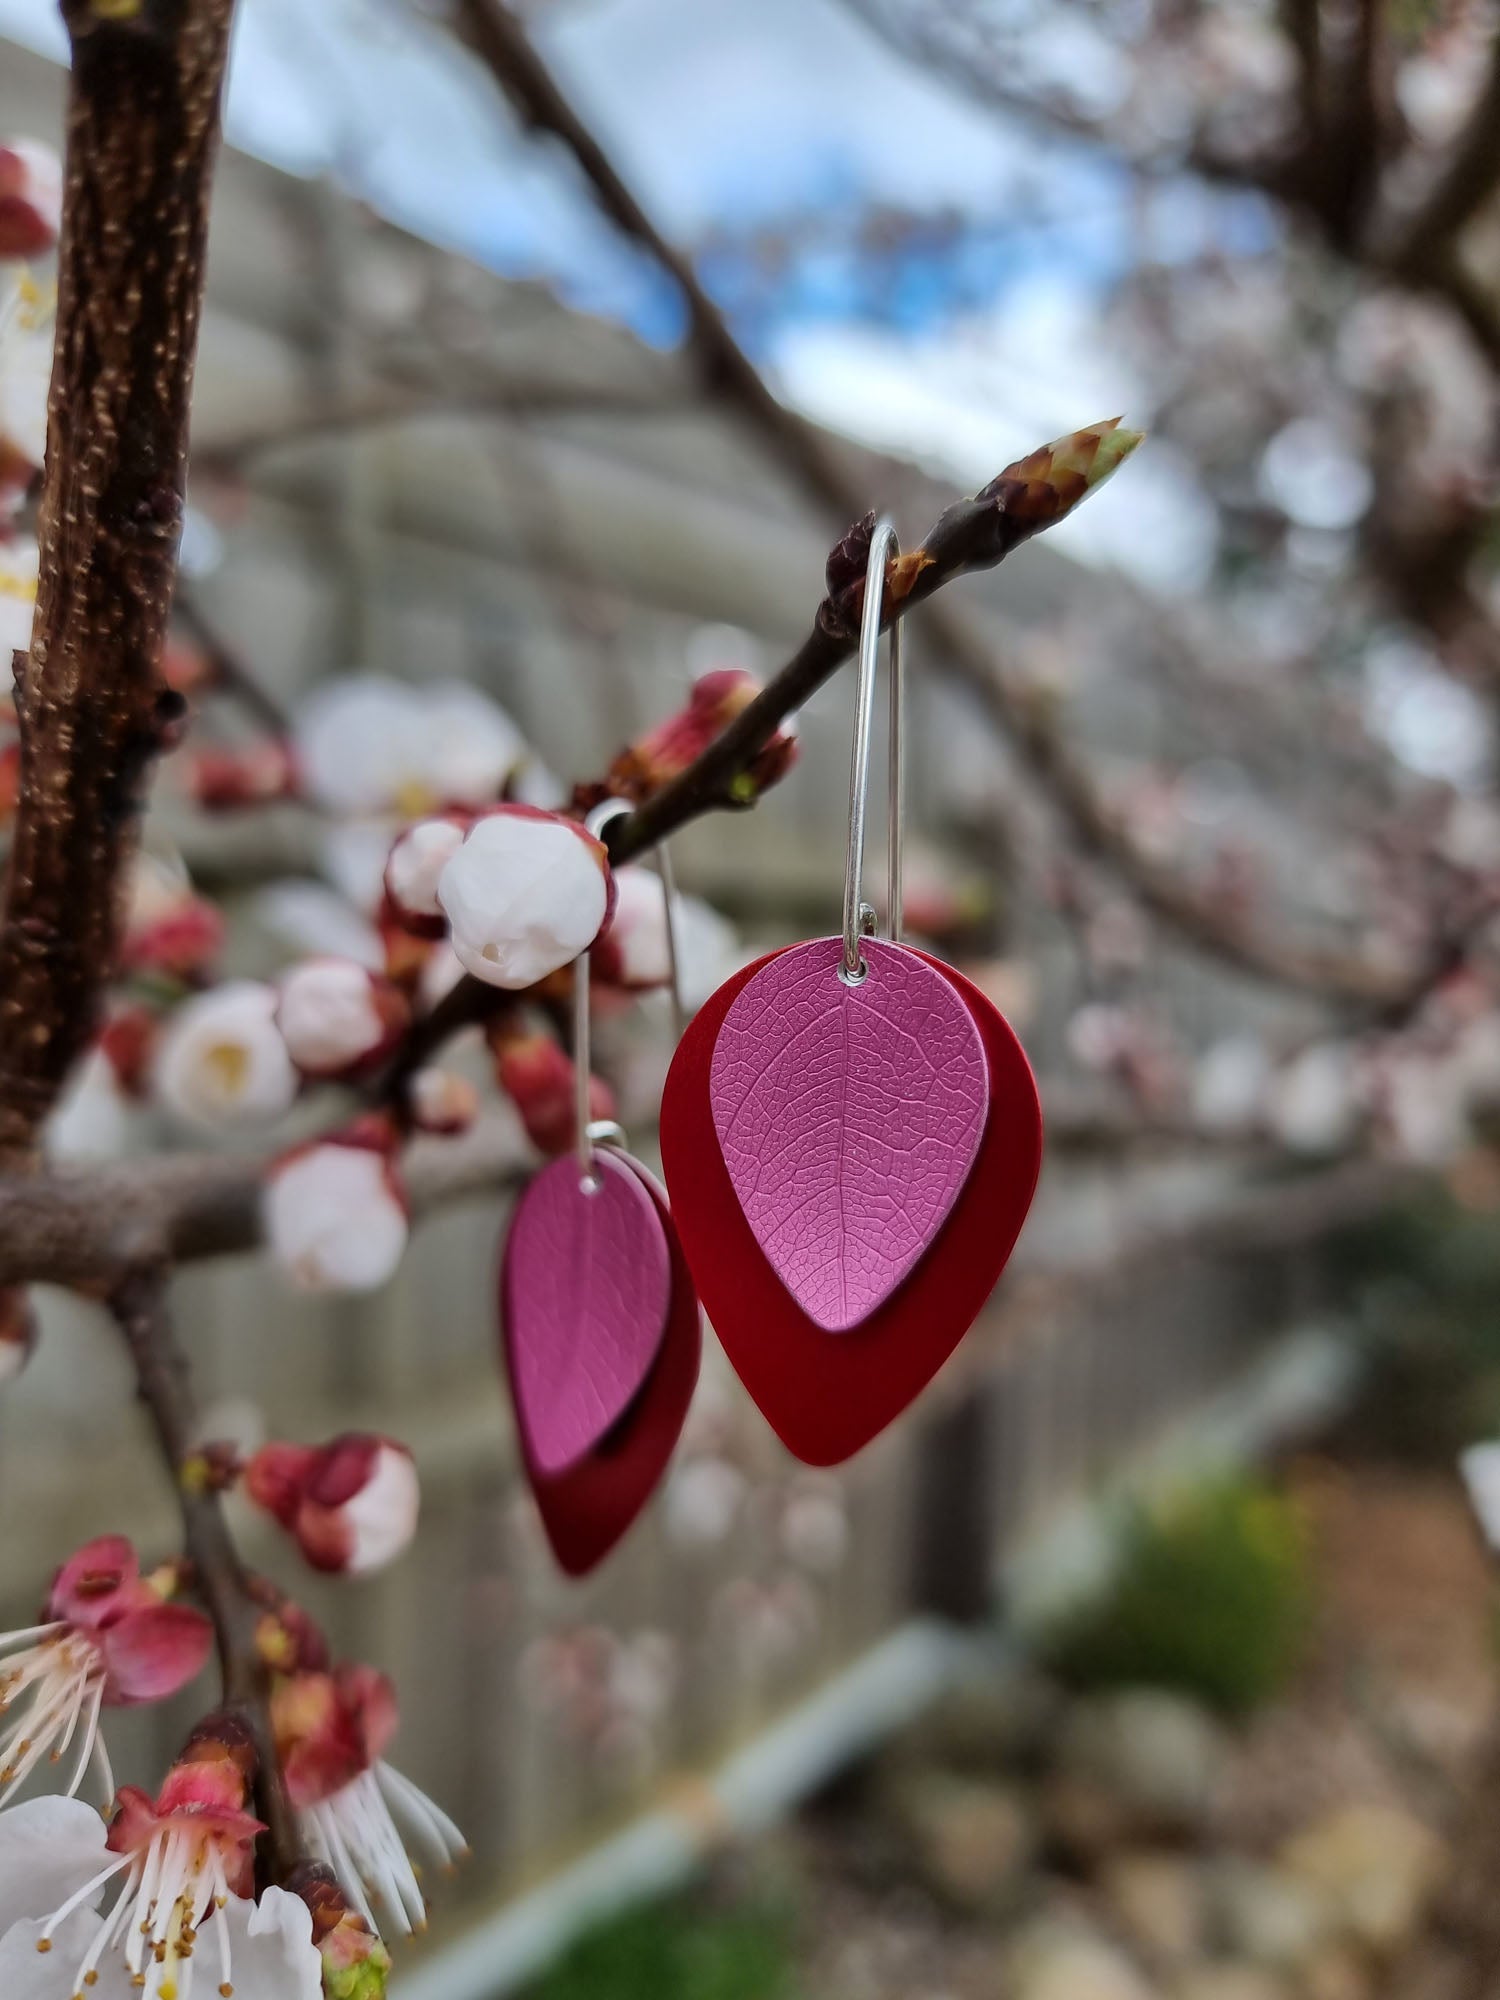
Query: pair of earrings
851	1135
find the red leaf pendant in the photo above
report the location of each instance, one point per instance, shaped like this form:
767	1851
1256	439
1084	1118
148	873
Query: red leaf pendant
587	1509
827	1394
585	1291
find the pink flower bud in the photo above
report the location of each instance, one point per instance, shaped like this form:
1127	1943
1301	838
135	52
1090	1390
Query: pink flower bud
632	950
664	752
524	895
30	198
183	944
412	873
538	1076
222	1059
351	1505
336	1018
227	780
442	1102
335	1213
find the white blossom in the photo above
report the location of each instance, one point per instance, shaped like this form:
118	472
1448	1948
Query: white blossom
170	1894
223	1060
335	1220
330	1016
633	950
26	331
367	744
19	560
524	895
1314	1108
1230	1083
311	917
417	861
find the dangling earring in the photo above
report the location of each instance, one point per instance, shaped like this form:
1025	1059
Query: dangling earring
852	1137
601	1331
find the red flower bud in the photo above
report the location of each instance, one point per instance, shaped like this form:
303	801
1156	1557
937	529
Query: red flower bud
351	1504
654	759
538	1076
227	780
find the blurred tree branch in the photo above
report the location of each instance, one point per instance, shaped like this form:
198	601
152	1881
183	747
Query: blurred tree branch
1198	914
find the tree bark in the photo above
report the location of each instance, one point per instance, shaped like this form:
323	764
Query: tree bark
142	132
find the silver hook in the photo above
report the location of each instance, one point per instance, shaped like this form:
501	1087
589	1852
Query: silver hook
858	916
583	1066
669	905
587	1132
596	822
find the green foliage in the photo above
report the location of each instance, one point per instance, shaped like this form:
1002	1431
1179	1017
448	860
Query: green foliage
677	1951
1210	1597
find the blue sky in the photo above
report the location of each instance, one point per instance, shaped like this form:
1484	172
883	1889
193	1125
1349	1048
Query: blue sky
736	120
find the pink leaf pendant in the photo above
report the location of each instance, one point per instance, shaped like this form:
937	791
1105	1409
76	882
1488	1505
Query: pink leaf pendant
849	1118
585	1290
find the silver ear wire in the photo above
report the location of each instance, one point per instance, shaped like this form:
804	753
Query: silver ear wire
883	543
674	963
583	1141
589	1133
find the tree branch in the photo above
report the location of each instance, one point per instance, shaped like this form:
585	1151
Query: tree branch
1198	914
142	129
139	1305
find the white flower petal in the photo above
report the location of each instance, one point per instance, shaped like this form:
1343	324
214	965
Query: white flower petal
369	744
310	917
19	561
29	1974
222	1059
469	745
273	1952
523	897
416	863
327	1015
48	1848
333	1220
382	1516
271	1955
638	928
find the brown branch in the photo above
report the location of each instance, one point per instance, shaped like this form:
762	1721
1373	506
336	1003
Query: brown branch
142	130
1198	914
139	1305
87	1227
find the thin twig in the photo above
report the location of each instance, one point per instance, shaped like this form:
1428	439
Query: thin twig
139	1305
